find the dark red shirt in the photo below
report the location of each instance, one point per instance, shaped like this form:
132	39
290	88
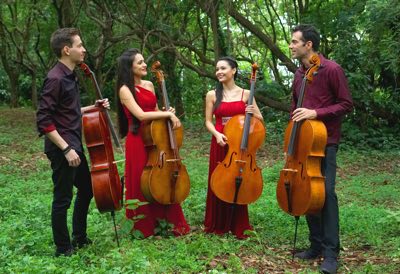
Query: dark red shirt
60	108
328	94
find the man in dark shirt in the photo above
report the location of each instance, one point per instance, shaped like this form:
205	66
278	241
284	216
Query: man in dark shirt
327	99
59	119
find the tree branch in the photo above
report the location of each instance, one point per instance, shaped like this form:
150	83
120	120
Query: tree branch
264	39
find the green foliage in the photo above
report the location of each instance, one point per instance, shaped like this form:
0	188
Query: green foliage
126	225
368	49
370	137
362	36
164	228
392	219
4	94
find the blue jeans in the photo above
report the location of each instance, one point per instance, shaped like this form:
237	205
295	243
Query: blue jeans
64	178
324	227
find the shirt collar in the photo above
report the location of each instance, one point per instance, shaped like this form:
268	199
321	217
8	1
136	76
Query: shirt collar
65	69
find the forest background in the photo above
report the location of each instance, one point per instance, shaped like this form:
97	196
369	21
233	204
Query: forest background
363	36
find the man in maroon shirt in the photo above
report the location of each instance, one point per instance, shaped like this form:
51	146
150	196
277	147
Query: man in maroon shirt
59	119
327	99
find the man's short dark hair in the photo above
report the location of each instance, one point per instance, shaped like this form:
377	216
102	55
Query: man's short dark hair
61	38
309	33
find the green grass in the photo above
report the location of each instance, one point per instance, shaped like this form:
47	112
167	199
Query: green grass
368	190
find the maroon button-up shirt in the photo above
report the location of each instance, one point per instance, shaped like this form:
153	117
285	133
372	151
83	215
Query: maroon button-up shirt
60	108
328	94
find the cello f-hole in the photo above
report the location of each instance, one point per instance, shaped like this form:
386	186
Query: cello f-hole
230	160
303	176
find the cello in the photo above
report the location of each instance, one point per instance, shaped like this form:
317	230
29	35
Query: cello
301	186
164	179
106	184
238	179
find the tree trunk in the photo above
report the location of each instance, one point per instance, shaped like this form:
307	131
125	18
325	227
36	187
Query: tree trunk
14	90
211	8
65	12
273	103
34	91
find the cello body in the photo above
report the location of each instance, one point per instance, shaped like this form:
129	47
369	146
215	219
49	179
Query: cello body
164	179
301	186
239	162
106	184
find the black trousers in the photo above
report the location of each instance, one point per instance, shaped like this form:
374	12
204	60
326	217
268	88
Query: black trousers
324	227
64	178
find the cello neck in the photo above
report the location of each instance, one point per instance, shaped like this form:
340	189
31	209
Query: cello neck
165	95
246	126
172	139
89	73
155	67
296	125
302	92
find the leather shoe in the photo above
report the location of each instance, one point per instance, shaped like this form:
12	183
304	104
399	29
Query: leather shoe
329	265
81	243
308	254
67	253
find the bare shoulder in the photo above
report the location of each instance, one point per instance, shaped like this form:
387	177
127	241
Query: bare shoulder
125	92
246	94
148	85
210	96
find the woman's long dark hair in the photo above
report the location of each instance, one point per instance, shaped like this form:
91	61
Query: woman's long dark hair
219	88
125	77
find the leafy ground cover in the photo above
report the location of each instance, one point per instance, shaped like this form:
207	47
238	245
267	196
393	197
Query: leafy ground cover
367	186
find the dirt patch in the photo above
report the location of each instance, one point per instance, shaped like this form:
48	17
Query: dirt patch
281	262
369	163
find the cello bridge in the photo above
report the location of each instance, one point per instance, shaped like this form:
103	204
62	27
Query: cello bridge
240	161
289	169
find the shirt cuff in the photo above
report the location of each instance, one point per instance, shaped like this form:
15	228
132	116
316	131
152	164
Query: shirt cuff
48	129
320	113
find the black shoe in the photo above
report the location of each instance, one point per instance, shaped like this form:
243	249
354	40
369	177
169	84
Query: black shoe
81	243
308	254
329	265
67	253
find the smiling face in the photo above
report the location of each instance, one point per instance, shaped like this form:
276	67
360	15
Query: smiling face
77	51
224	71
139	67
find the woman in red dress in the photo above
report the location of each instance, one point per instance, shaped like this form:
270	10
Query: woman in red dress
137	103
226	101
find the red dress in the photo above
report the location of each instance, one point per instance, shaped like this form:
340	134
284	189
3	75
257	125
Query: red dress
136	159
221	217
